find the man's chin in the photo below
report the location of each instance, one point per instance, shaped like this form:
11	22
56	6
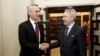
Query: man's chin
64	24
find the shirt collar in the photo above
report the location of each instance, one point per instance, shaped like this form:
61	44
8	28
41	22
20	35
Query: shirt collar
71	25
33	22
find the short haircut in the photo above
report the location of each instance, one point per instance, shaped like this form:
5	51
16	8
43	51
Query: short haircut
30	6
71	11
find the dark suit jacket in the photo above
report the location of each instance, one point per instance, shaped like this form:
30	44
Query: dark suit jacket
28	41
74	44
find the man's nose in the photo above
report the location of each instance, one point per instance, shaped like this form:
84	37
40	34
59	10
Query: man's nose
62	18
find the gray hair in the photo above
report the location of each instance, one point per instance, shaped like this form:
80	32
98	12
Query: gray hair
71	11
30	7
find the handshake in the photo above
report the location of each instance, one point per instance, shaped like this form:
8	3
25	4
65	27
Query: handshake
43	46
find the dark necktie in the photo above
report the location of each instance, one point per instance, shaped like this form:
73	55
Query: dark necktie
37	31
66	31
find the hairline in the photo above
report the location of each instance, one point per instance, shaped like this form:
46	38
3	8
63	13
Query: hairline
29	8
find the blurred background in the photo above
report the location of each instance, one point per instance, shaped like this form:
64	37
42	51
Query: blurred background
13	12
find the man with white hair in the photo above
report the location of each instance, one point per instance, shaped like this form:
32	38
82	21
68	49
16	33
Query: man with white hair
71	38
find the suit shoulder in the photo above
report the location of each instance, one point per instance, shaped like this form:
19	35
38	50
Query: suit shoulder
79	28
23	23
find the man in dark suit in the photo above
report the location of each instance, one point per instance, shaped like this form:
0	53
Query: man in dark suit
31	33
71	39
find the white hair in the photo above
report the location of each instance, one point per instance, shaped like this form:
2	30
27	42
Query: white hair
29	8
71	11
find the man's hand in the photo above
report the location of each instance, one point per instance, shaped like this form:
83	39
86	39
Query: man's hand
43	46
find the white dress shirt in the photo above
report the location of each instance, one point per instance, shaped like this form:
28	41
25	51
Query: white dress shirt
70	27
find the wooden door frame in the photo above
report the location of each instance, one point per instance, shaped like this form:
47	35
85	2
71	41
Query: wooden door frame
92	31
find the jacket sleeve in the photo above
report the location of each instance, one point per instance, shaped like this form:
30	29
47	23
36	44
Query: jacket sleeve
57	43
22	33
54	45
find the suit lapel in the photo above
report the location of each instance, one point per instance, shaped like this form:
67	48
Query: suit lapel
62	34
30	25
71	33
32	29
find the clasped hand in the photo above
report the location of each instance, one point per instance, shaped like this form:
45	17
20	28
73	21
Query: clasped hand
43	46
